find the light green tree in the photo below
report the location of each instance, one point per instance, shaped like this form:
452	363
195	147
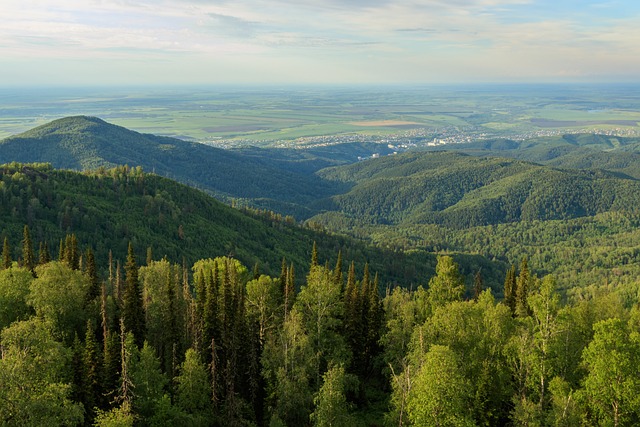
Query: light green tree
34	372
193	390
322	308
262	300
612	386
14	289
58	295
331	406
440	394
447	285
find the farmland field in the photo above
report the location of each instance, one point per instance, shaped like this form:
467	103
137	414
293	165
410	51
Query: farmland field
274	116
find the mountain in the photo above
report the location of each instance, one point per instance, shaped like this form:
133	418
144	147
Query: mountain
109	208
83	143
459	190
570	151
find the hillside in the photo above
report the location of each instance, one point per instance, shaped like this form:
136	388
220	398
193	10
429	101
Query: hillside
571	151
462	191
110	208
84	143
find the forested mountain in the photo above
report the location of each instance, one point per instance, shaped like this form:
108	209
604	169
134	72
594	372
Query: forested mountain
571	151
84	143
463	191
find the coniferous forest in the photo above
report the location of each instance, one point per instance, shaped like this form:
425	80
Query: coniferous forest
124	339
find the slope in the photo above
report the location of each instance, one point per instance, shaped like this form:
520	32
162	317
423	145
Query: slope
108	209
83	143
460	191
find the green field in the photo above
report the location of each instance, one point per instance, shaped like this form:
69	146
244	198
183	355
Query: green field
260	116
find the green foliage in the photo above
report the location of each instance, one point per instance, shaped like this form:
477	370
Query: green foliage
612	387
58	295
439	396
14	290
132	310
447	285
192	389
33	373
332	408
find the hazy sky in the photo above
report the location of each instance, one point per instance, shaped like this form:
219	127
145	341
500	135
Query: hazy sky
317	41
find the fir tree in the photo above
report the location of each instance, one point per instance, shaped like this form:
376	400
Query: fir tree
510	289
92	273
61	251
43	253
337	272
477	285
256	271
132	307
28	257
314	255
91	369
522	290
6	254
289	290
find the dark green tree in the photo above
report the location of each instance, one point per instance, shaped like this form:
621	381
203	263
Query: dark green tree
6	254
314	255
510	289
523	284
132	307
43	253
91	383
478	285
28	257
92	272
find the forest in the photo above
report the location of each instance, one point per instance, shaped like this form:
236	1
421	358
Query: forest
473	291
213	343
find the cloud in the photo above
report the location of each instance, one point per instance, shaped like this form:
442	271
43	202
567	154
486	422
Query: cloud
387	40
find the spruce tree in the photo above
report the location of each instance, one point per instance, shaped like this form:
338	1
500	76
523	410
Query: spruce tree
43	253
337	272
522	290
92	273
132	306
28	257
289	290
477	285
91	367
61	251
6	254
314	255
510	289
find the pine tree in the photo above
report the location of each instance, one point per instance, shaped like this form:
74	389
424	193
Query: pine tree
132	307
71	256
43	253
522	290
477	285
91	368
510	289
337	272
256	271
6	254
110	369
289	290
314	255
28	257
149	255
92	273
61	251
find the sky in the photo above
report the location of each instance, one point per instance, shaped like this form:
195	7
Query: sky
275	42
